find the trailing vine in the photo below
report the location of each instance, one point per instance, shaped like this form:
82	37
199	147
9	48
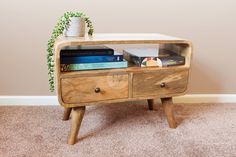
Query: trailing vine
59	28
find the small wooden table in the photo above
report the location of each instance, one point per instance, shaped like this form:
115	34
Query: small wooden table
78	89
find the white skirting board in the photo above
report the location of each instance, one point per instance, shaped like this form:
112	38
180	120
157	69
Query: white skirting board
28	100
52	100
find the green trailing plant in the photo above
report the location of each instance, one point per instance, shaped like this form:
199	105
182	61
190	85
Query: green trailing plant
59	28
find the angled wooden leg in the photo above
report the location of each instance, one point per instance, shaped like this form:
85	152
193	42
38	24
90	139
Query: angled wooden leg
77	116
66	114
150	104
168	107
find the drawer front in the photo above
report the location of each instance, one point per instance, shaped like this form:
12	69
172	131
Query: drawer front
160	83
94	88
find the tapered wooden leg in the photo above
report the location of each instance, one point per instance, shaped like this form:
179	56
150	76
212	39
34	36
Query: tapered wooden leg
168	107
66	114
150	104
77	116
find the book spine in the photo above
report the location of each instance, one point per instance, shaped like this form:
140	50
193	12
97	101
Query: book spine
91	59
92	66
134	59
87	53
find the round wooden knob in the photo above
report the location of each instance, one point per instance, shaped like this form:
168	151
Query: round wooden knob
97	90
162	85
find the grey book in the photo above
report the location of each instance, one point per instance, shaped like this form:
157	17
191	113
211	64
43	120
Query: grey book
153	57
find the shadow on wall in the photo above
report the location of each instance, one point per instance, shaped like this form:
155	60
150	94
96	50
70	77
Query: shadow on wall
202	79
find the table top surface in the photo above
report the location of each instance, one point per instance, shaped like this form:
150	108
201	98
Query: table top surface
121	38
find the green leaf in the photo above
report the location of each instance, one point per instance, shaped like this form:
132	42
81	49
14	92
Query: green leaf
58	29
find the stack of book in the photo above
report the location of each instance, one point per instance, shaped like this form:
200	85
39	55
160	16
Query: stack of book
146	57
90	57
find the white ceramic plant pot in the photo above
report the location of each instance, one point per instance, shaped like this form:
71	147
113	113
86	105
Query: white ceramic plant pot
76	27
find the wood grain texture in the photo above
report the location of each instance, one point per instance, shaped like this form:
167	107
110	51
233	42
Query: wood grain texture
107	102
131	69
77	117
150	103
82	89
149	83
168	108
66	114
164	41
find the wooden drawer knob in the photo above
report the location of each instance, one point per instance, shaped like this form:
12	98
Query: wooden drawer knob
162	85
97	90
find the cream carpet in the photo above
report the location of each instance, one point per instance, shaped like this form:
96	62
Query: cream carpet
120	130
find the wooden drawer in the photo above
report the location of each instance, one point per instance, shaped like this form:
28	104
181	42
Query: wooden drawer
94	88
160	83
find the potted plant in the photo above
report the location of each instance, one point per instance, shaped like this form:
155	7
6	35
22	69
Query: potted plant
71	24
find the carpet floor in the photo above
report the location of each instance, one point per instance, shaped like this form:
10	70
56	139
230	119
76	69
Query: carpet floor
120	130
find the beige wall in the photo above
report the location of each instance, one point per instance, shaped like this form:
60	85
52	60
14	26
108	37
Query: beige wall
209	24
